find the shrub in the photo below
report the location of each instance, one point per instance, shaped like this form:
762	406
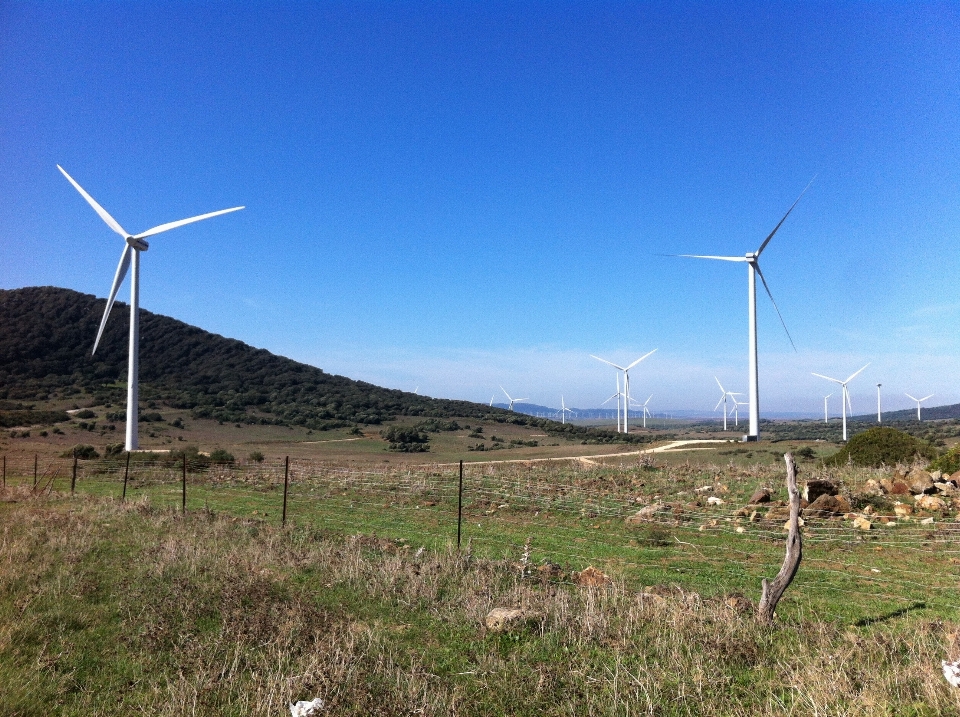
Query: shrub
221	456
949	462
113	450
257	457
406	440
82	451
881	446
85	413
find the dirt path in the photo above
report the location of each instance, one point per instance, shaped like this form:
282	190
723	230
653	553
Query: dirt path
593	460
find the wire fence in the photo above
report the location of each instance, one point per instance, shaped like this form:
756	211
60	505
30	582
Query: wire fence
559	516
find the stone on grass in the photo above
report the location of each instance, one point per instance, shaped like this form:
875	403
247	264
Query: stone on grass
306	708
951	670
862	523
920	481
501	619
713	500
815	488
761	495
929	502
590	577
645	514
826	505
902	509
927	521
872	487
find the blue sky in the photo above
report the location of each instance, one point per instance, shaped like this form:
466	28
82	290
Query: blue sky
454	196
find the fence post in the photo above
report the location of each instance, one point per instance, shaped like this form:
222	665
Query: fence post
35	470
286	483
4	471
183	496
73	479
126	472
460	504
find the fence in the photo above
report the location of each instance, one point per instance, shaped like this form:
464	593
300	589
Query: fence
571	515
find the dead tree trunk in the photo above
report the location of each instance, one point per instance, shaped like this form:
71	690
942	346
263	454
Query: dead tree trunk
773	591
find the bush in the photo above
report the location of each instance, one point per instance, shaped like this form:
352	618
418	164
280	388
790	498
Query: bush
85	413
221	456
949	462
82	451
406	440
881	446
257	457
113	450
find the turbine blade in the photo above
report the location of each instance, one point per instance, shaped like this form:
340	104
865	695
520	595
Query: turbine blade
609	363
767	240
719	402
910	397
111	222
648	400
760	273
835	380
926	397
616	395
719	384
718	258
851	377
505	392
639	360
173	225
117	280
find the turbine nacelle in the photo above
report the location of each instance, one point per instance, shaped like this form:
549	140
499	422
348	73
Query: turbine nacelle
138	243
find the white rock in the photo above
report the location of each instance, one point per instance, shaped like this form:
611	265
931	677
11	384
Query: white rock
304	708
951	670
713	500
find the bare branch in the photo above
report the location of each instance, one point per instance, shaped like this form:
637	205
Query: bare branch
773	591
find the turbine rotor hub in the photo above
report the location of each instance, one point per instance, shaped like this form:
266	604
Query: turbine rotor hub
138	244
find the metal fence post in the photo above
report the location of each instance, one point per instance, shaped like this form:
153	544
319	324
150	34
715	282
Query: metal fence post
460	504
286	483
183	497
73	479
126	472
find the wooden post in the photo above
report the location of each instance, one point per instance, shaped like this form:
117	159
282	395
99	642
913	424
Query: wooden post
34	470
286	483
460	504
126	472
73	480
183	496
773	591
4	471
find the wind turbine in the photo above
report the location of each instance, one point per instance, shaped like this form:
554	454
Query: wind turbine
919	401
131	255
752	260
563	411
512	400
825	407
646	411
845	397
736	407
617	396
626	386
723	399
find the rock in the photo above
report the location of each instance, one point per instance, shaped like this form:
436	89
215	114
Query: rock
886	485
920	481
951	671
936	475
945	488
815	488
703	489
645	514
901	509
754	517
742	512
713	500
786	526
306	708
761	495
826	505
862	523
501	619
955	477
872	487
927	521
590	577
931	503
739	603
899	487
778	514
868	510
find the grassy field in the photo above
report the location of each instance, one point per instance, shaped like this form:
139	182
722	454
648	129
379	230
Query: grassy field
364	600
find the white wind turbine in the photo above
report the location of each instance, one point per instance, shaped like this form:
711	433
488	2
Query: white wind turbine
626	387
825	419
646	411
844	398
618	395
919	401
512	400
736	407
723	399
563	411
752	260
131	255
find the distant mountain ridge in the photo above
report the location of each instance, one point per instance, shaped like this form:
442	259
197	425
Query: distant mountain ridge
46	334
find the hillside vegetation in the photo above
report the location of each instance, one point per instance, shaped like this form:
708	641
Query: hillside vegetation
46	334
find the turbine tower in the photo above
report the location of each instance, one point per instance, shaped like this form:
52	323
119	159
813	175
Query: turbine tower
825	407
617	396
752	260
879	414
563	411
131	255
626	386
844	398
512	400
919	401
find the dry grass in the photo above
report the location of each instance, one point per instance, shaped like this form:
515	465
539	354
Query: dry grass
118	609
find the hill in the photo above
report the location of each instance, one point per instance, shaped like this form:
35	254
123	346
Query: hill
46	334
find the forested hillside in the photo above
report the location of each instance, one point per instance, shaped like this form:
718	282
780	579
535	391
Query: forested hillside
46	334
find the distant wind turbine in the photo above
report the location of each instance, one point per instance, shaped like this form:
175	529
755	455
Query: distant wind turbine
825	407
724	393
131	255
752	260
919	401
512	400
845	396
736	407
617	396
563	411
646	411
626	386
